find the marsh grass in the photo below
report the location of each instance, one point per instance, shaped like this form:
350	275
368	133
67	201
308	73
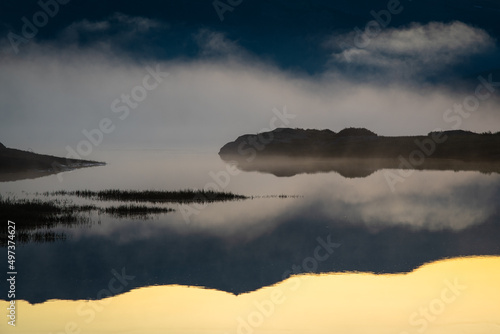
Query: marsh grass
33	215
152	196
40	236
35	218
36	213
140	211
281	196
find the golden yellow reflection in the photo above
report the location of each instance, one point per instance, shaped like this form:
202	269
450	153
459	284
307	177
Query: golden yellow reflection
445	297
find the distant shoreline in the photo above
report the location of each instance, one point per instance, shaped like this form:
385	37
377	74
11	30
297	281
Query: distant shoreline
359	152
18	165
362	143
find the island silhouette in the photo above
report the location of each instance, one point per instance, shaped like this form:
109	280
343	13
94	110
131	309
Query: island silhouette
359	152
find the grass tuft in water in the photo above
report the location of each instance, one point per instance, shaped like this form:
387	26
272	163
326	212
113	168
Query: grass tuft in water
135	211
153	196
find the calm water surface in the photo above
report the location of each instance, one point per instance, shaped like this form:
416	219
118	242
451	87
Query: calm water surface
330	224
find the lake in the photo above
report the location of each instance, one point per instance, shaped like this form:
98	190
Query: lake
301	251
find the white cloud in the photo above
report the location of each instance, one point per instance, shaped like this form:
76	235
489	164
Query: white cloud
414	49
213	43
140	23
118	25
89	26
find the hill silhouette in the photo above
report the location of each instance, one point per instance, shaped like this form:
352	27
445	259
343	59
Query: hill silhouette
358	152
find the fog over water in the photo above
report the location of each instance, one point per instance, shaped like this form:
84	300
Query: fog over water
208	101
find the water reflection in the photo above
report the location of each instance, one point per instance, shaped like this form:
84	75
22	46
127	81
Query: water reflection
167	251
243	246
23	175
441	297
351	167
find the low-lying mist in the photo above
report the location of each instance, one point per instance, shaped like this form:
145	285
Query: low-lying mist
51	102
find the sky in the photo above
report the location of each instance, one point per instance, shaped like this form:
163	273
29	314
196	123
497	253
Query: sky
186	74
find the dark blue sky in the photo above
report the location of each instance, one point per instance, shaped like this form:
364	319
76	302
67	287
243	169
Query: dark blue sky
290	34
